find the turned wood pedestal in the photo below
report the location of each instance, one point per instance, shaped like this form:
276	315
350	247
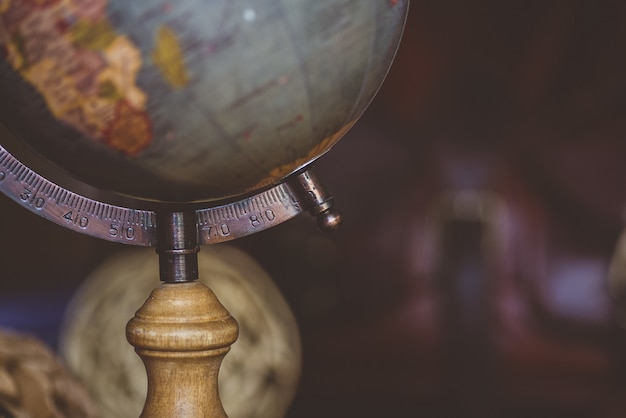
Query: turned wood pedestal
182	333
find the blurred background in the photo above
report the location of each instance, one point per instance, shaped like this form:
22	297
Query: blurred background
483	194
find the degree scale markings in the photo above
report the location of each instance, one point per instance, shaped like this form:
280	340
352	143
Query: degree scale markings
254	214
73	211
138	227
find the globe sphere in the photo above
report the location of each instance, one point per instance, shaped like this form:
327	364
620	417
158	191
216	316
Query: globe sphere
190	100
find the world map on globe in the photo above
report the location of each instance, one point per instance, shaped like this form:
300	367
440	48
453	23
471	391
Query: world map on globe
190	100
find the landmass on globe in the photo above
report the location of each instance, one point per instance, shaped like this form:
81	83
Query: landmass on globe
85	70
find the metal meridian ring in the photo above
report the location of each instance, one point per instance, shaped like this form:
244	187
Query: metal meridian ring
138	227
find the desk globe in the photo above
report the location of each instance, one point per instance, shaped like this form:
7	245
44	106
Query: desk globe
180	102
190	100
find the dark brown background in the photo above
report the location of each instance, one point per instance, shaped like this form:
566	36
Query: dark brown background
404	313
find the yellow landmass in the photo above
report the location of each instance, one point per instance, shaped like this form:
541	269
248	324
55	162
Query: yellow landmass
93	35
15	47
107	90
168	57
98	113
59	91
123	63
15	58
4	5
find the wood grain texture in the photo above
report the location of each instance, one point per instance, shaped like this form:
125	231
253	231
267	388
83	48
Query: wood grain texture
182	333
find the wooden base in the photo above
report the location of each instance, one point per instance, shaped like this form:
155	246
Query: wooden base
182	333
